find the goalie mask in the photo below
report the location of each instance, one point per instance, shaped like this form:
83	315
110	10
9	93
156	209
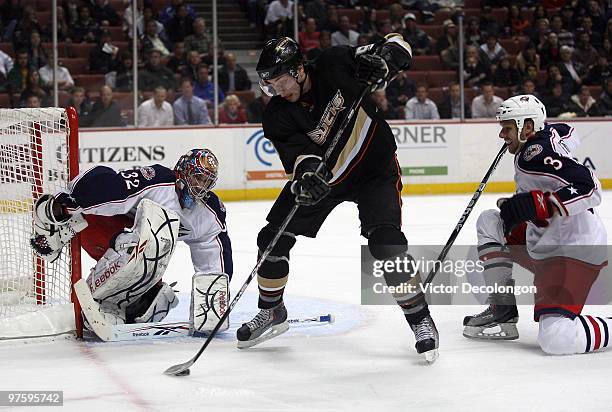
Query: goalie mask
196	173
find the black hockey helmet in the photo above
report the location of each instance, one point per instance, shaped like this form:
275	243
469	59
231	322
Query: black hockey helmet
278	57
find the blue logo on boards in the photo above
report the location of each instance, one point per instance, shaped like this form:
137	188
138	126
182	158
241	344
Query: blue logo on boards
262	147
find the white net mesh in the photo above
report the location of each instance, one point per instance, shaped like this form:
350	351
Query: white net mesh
34	159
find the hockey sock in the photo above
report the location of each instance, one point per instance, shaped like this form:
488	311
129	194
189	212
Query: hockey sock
596	332
497	263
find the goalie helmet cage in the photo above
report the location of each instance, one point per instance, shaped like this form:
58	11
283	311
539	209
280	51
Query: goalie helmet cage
38	154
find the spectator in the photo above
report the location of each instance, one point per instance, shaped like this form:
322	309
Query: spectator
103	58
506	75
256	108
539	37
324	43
156	112
38	55
488	21
24	26
199	40
417	38
583	104
595	12
85	29
527	56
17	77
32	101
420	107
64	79
154	74
124	80
363	40
344	36
384	28
605	100
104	13
279	18
6	64
203	88
332	21
599	74
475	71
177	62
396	14
71	7
485	105
169	11
567	15
492	51
317	10
309	38
608	33
584	52
554	76
368	24
587	25
472	32
81	103
450	108
105	111
127	18
528	86
189	109
400	90
63	28
550	51
384	108
448	40
34	87
556	102
208	58
193	62
517	24
231	111
155	41
181	25
232	77
570	70
566	38
532	73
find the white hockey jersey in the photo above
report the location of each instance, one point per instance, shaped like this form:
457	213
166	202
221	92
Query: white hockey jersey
106	192
545	163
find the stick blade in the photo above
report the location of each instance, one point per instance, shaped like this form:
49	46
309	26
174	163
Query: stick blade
179	370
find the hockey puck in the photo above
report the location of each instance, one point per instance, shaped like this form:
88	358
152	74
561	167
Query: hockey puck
183	373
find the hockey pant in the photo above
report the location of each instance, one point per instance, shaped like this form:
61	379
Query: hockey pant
563	285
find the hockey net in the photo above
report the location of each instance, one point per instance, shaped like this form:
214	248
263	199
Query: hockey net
38	154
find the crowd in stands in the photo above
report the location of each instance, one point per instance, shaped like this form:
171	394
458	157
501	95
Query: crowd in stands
558	50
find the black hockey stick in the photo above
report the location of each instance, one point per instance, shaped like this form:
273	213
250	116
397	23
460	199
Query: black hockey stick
466	213
182	369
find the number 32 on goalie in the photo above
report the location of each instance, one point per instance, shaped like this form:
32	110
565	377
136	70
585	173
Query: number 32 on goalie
131	180
556	164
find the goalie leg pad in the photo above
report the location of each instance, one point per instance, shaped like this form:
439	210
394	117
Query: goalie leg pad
139	259
161	303
210	297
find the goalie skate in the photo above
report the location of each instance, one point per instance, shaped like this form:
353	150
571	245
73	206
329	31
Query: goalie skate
268	324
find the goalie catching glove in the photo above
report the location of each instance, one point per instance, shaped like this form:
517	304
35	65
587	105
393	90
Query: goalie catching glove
534	206
310	183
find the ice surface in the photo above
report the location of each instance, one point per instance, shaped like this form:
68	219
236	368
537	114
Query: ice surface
364	362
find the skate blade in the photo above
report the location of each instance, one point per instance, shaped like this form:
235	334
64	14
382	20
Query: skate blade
273	332
501	331
431	356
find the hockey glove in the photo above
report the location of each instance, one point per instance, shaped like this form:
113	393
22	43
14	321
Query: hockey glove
311	184
372	69
534	206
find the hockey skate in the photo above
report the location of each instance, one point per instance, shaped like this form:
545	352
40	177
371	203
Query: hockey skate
427	339
268	324
497	322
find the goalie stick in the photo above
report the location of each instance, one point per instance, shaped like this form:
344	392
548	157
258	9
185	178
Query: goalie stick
466	214
182	369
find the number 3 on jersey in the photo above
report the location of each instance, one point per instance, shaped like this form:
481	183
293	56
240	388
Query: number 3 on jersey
131	179
556	164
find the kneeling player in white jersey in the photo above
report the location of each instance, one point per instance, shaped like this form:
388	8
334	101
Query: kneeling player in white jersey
551	228
129	222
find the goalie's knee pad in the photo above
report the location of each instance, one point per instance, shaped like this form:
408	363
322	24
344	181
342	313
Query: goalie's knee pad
153	306
276	264
209	301
386	242
489	228
558	335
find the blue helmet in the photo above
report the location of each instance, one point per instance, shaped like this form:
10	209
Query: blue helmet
196	173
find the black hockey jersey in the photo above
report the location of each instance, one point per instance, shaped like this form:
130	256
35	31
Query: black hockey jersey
307	127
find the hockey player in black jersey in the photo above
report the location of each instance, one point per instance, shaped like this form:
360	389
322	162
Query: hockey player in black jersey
301	120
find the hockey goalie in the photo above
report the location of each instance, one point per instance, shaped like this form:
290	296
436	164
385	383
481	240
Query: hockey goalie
129	222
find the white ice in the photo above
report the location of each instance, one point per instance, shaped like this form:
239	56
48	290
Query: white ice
365	361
